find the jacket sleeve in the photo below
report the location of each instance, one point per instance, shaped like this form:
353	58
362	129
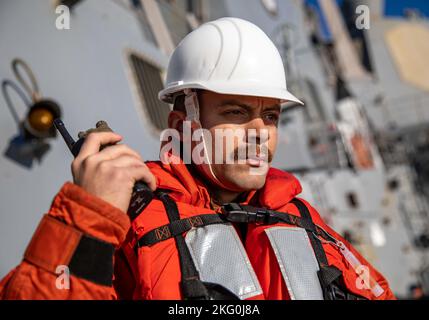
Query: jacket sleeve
362	278
71	254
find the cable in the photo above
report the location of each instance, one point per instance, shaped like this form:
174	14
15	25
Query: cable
34	92
6	96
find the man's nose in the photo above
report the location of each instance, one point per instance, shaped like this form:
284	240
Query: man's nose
257	130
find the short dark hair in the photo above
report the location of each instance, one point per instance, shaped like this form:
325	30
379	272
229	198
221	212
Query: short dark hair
179	103
179	100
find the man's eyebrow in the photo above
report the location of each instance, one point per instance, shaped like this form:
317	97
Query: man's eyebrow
275	107
232	102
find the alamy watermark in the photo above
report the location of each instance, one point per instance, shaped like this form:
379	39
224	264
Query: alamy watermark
363	20
62	282
62	22
363	279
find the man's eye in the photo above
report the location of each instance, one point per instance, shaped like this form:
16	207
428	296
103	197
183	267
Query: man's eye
272	117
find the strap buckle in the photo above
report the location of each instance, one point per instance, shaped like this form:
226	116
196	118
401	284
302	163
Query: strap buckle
236	213
336	293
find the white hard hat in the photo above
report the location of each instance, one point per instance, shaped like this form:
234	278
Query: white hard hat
227	56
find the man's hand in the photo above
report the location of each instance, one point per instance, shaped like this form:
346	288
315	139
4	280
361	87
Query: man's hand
110	174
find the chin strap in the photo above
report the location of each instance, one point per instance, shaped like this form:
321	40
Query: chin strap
193	114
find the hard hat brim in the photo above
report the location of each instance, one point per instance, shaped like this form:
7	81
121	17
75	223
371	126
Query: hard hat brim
253	90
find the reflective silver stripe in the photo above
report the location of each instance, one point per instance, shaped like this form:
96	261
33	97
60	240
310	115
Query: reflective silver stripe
297	262
220	258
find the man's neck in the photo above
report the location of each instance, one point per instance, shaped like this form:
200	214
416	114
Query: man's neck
221	196
218	195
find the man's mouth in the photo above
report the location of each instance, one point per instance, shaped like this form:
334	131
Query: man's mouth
257	160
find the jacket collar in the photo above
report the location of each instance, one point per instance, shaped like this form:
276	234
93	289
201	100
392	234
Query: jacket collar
280	187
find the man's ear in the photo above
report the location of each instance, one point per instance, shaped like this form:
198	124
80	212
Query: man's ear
175	120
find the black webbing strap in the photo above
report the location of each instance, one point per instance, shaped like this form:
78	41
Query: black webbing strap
178	227
315	241
93	261
191	285
274	216
237	213
234	213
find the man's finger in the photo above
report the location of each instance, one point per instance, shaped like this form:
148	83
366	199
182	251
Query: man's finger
144	174
94	141
124	161
116	151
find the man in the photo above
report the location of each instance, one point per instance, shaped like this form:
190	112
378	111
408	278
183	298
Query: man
227	83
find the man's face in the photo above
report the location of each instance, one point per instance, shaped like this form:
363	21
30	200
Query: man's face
254	123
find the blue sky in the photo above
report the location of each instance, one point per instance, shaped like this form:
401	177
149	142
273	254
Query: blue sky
325	33
396	7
